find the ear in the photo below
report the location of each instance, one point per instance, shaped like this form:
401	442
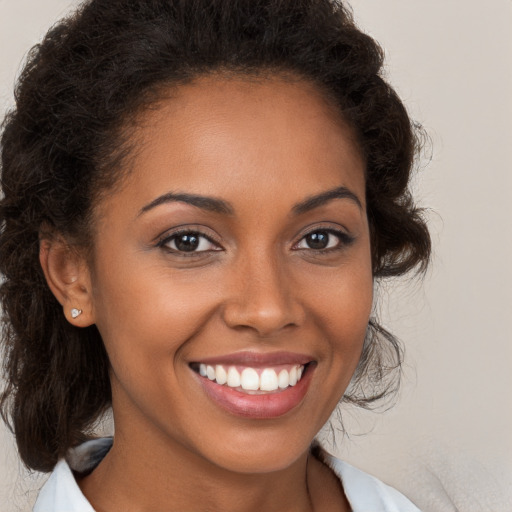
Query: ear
68	277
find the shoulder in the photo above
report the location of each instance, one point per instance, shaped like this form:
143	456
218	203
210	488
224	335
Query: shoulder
363	491
61	493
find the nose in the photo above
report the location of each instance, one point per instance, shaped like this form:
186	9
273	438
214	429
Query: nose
263	298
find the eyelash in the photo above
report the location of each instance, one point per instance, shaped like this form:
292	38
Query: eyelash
167	239
344	240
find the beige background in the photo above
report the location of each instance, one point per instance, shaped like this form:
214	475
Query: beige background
448	443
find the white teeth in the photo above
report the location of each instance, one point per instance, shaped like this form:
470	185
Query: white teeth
250	379
210	372
220	374
233	377
293	376
268	380
283	379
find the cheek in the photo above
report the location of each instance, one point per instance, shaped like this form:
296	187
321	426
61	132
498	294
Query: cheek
349	315
148	324
151	314
343	311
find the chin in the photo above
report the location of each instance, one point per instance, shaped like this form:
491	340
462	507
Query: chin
265	453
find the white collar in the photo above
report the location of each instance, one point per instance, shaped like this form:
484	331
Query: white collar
61	493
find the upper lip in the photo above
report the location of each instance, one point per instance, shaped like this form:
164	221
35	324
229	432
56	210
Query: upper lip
248	358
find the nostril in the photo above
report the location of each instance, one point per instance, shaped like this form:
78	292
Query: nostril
266	319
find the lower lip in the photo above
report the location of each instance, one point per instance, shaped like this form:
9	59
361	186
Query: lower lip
265	406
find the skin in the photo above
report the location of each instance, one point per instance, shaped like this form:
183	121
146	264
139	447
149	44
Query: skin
263	147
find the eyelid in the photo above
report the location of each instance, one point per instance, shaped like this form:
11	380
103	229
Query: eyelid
172	233
345	238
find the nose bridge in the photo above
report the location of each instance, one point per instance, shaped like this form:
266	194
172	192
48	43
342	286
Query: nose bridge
262	297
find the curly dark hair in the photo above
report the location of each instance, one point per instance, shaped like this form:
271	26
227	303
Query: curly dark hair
63	142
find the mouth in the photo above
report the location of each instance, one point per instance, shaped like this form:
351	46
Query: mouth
256	386
252	380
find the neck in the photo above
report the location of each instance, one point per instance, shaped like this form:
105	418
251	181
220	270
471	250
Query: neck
174	478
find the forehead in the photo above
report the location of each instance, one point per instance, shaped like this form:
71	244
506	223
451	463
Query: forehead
242	137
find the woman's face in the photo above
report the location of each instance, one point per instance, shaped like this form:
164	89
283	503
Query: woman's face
238	246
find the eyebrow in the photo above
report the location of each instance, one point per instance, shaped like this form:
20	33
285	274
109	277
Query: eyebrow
211	204
216	205
318	200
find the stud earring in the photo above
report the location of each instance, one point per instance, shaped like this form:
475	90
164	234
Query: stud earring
75	312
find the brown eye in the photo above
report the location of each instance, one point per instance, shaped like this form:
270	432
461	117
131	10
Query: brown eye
319	240
187	243
190	241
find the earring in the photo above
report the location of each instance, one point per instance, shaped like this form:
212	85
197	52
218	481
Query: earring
75	312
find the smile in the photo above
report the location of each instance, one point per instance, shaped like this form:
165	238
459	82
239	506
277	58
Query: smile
251	380
257	386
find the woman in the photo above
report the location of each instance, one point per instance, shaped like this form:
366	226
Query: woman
199	196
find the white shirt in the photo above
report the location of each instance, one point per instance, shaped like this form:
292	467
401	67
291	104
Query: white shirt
61	493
